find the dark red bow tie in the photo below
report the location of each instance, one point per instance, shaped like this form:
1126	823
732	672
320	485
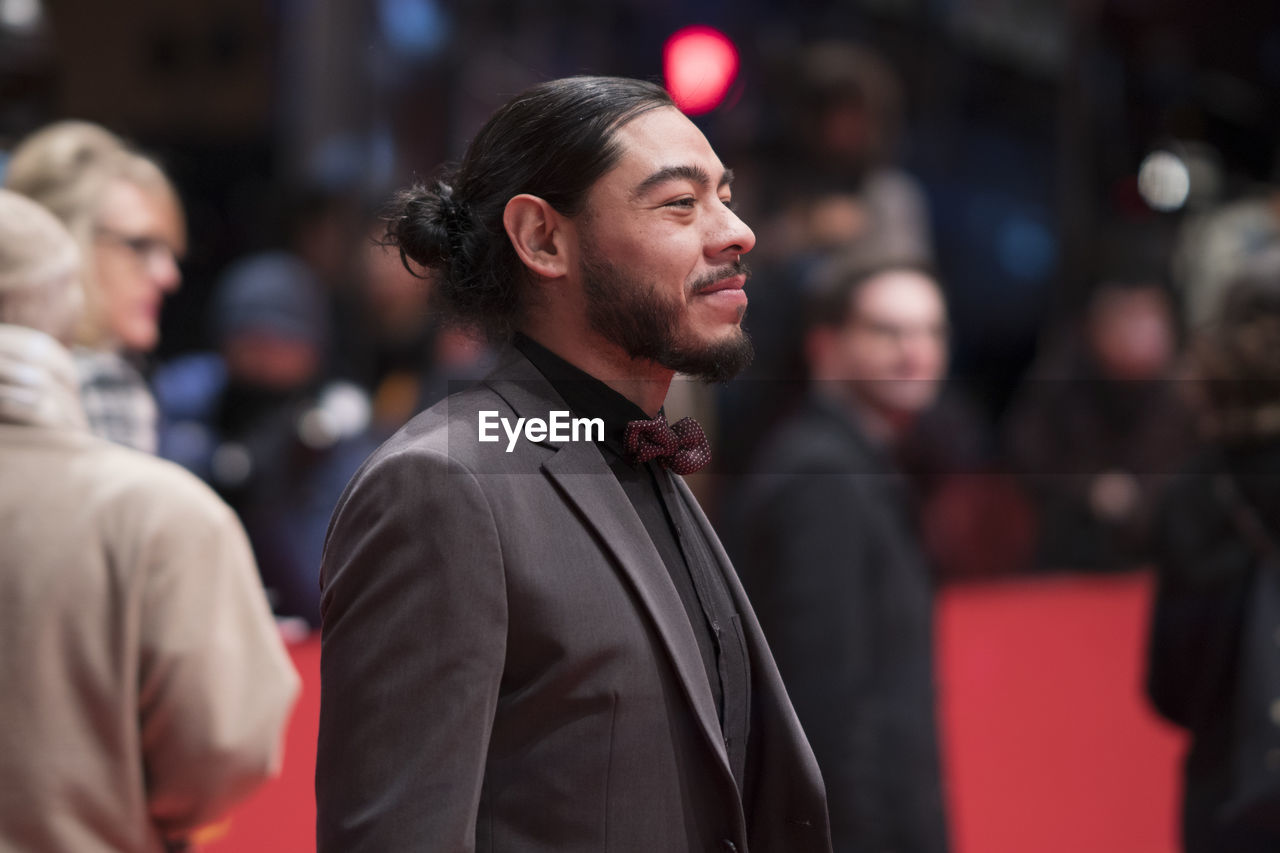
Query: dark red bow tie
681	447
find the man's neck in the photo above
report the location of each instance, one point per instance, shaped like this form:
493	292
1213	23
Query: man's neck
643	382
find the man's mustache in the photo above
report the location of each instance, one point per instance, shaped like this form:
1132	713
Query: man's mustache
719	274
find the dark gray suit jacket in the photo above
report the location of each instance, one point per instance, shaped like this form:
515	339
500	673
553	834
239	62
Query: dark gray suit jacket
507	665
825	542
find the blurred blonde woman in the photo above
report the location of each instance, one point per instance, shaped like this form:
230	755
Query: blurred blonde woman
127	220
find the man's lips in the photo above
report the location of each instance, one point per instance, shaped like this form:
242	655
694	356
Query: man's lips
733	282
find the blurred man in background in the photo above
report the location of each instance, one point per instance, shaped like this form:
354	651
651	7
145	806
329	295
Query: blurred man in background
828	549
145	685
835	188
1099	427
127	219
843	189
406	357
262	424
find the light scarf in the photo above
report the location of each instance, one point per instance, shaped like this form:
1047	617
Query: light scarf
38	385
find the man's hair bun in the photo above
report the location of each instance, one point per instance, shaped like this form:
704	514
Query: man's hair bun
426	223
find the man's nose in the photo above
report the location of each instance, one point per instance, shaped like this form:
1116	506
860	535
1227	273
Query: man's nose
737	237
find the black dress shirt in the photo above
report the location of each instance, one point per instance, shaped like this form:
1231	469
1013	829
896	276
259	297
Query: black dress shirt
685	552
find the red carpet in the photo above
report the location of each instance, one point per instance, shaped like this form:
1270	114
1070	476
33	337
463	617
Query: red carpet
1050	747
281	816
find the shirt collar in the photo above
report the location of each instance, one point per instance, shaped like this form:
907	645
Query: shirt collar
586	396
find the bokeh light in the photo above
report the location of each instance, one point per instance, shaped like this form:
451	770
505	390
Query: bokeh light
700	64
1164	181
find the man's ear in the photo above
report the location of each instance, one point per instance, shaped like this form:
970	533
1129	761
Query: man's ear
539	234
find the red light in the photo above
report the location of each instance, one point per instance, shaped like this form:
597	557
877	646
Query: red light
700	65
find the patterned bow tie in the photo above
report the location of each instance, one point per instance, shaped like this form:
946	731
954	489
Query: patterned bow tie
681	447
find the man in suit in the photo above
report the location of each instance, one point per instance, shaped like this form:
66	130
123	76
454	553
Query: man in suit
827	547
533	640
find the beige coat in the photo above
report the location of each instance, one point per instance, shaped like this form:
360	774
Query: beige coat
143	684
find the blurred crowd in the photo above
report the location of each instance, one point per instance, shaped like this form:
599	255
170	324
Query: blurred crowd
307	352
853	472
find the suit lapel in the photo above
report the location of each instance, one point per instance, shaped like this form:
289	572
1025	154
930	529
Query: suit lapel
580	472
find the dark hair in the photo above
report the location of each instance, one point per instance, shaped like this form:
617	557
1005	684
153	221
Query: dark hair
834	284
1235	357
553	141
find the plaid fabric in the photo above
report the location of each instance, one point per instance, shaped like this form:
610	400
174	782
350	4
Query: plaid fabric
116	399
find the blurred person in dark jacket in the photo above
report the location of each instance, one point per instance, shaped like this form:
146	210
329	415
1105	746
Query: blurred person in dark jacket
404	356
1100	427
829	550
836	191
145	686
1208	563
844	191
127	218
260	422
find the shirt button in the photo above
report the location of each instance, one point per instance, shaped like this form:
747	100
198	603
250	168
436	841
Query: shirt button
728	846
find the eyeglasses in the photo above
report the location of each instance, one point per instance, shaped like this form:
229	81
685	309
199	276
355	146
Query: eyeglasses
147	249
898	333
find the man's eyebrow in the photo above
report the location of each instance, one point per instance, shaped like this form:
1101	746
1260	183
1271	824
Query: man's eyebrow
696	174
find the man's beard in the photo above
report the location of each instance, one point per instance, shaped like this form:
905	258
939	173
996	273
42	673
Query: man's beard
646	325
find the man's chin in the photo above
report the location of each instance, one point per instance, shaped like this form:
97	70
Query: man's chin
713	361
903	403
